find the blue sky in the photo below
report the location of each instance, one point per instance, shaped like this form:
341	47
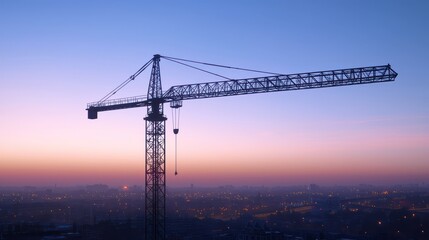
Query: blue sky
58	55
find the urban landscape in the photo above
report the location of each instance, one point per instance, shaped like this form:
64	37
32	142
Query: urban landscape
217	120
226	212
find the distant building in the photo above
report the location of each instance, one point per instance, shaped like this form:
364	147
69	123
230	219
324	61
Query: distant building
313	187
97	188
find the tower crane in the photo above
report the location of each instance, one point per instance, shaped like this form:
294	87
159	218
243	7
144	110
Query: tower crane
155	178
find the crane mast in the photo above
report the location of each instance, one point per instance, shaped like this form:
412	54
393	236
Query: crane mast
155	178
155	157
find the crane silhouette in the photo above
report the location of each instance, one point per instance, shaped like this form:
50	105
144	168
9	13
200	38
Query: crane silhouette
155	178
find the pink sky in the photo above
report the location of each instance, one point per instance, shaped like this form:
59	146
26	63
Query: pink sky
57	57
80	151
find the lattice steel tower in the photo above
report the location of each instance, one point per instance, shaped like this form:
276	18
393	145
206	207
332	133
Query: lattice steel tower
155	157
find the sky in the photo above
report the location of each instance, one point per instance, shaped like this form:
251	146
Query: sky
57	56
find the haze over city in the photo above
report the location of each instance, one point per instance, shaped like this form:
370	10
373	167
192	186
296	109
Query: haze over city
57	56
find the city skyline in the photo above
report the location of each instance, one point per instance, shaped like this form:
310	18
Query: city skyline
58	56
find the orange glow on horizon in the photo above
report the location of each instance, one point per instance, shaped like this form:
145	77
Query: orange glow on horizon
289	158
297	167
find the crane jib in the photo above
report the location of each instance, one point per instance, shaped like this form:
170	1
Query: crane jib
332	78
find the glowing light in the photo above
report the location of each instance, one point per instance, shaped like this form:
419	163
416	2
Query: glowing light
125	188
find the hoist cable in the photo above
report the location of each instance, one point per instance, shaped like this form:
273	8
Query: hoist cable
178	118
175	112
174	118
132	77
175	155
212	73
218	65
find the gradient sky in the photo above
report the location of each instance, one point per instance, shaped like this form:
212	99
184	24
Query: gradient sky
56	56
